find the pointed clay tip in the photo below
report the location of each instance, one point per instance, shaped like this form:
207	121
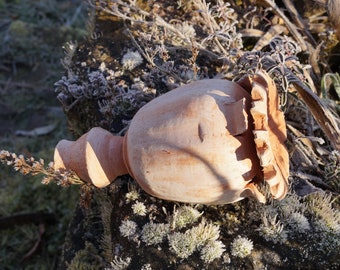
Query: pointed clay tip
58	153
68	155
96	157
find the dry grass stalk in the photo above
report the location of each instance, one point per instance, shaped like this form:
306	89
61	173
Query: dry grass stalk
321	113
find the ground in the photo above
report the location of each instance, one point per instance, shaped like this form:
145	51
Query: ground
33	220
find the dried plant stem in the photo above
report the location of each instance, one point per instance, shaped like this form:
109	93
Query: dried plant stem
311	178
298	20
320	112
291	27
35	167
156	19
148	57
212	24
139	48
267	37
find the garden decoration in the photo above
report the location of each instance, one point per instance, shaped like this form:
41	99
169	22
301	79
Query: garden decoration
211	142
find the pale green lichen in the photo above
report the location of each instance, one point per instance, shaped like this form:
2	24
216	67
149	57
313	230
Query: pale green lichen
205	232
241	247
139	209
290	204
128	228
299	223
133	193
146	267
212	251
320	206
182	244
183	216
197	238
272	229
201	237
131	60
312	220
120	263
154	233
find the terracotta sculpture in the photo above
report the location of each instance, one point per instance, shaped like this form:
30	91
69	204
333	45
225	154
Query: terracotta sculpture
207	142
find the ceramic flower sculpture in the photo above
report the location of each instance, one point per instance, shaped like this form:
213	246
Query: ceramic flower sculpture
208	142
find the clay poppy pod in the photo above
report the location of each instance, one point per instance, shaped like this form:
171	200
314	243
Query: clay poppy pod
206	142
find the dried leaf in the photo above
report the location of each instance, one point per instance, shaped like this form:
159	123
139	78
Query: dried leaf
321	113
274	31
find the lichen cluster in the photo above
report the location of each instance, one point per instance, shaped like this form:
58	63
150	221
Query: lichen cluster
241	247
297	230
312	223
199	235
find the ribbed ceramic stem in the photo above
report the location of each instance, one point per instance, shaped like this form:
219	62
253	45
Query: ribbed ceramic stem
96	157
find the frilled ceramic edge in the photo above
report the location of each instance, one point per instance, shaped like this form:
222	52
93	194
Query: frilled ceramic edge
269	132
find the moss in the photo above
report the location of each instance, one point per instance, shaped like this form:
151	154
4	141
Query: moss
86	259
19	29
30	63
154	233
